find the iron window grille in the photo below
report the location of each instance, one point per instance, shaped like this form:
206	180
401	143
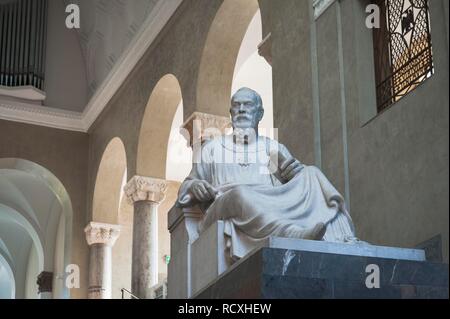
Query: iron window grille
402	49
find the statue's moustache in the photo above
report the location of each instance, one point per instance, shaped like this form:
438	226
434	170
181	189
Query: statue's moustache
243	117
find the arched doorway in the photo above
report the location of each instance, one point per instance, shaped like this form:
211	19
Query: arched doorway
107	191
253	71
156	126
35	226
220	54
109	206
7	281
163	154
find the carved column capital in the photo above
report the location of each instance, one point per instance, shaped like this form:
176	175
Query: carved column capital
141	188
101	233
204	126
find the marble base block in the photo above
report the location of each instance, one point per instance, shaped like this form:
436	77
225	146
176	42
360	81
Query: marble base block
288	268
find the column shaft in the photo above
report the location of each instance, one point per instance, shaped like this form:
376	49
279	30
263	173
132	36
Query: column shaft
100	237
100	272
145	194
145	248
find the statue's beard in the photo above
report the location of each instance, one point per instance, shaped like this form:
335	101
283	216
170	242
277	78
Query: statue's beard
244	135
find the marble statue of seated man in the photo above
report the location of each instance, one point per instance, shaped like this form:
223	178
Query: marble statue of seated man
258	189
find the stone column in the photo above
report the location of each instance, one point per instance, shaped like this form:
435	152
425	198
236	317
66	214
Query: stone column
145	194
100	237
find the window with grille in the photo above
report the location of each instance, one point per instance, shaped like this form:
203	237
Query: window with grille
402	49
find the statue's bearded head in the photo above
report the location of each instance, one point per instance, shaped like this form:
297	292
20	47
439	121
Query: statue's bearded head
246	109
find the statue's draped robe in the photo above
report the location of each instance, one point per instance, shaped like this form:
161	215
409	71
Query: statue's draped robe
254	204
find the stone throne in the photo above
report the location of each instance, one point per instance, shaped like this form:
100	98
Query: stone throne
185	276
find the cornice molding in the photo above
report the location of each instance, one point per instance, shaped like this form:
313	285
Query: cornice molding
81	122
41	115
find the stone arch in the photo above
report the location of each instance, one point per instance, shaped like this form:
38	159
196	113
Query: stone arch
109	206
220	54
158	122
254	71
35	200
108	184
31	229
10	283
156	126
179	153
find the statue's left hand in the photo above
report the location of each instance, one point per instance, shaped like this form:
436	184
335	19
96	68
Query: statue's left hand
290	168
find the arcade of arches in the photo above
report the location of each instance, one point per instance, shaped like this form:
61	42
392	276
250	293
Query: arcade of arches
85	214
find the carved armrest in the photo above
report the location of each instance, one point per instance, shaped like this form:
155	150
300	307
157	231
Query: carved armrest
189	217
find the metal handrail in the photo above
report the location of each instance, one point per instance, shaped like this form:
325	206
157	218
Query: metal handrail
123	290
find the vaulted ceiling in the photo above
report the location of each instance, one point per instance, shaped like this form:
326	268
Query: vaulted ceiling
33	211
84	67
106	29
79	60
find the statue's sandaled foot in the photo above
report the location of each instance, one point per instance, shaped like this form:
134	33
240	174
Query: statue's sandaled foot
316	233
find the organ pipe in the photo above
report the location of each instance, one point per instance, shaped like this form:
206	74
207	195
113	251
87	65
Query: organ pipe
23	35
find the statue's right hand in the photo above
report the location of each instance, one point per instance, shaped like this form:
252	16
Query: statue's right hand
203	191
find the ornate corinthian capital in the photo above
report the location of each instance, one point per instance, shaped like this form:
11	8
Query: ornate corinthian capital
100	233
141	188
203	126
